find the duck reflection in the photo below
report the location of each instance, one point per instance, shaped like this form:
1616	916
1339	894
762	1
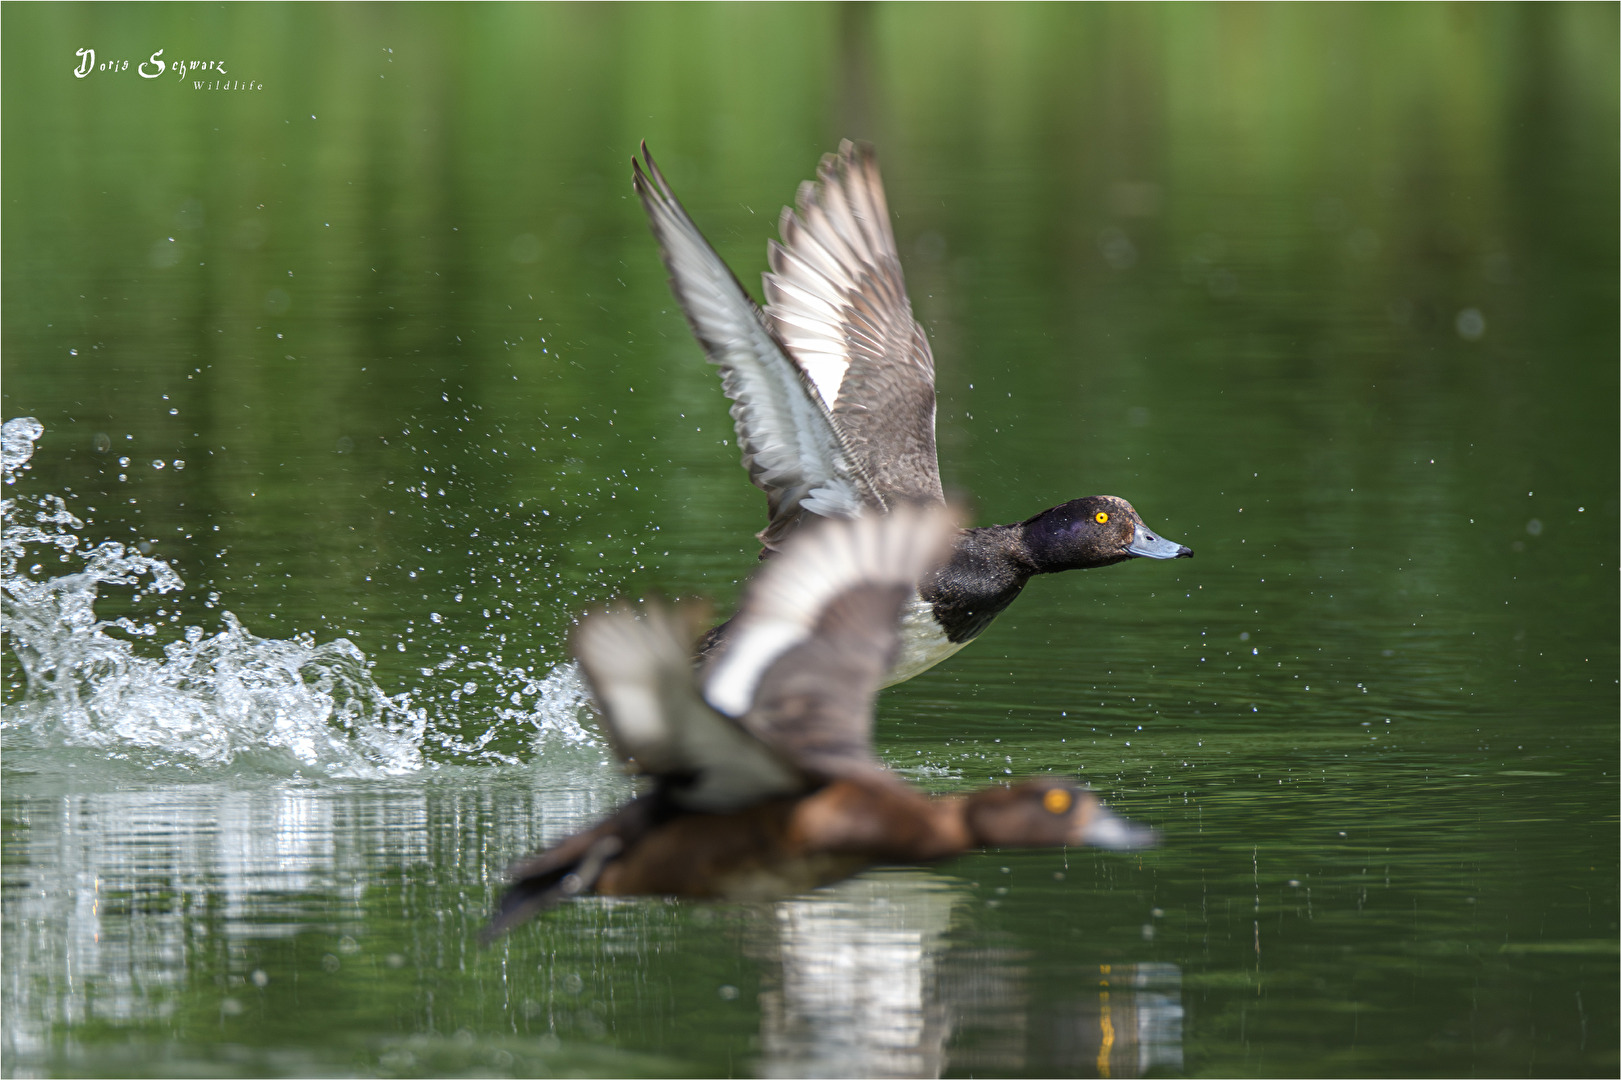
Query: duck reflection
856	986
1130	1026
867	979
114	898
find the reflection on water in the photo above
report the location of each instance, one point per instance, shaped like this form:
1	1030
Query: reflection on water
166	904
1138	1024
866	978
855	986
121	905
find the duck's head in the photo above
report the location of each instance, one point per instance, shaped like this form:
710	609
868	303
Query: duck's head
1095	531
1049	812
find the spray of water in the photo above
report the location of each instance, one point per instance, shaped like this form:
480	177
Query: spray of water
209	700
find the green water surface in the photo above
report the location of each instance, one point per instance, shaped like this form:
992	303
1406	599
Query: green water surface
1329	293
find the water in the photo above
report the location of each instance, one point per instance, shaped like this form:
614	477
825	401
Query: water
333	405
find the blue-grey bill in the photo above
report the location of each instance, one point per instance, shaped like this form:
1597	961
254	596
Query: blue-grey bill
1107	830
1145	545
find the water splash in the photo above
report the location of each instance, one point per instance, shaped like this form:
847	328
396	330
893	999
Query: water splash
209	700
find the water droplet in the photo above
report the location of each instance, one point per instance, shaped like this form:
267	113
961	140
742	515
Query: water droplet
1471	324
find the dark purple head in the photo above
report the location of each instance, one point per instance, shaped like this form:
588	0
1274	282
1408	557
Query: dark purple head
1094	531
1049	812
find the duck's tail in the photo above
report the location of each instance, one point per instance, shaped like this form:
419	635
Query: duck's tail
569	869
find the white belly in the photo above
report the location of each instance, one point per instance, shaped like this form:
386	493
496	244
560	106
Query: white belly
923	642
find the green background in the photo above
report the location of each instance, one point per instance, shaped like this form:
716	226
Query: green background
1329	292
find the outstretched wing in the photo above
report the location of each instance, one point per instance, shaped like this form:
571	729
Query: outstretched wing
836	299
640	670
791	448
816	632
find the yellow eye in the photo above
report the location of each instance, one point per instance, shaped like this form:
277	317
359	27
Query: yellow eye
1101	517
1057	800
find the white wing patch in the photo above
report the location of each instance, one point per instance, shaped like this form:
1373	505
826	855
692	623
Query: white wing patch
836	301
640	669
821	289
833	502
807	312
787	596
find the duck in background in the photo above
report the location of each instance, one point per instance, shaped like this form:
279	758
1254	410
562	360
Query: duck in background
832	390
764	779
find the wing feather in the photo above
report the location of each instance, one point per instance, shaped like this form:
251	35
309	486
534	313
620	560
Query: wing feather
640	671
836	300
791	447
816	632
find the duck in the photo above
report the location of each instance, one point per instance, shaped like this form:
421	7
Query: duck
833	401
761	778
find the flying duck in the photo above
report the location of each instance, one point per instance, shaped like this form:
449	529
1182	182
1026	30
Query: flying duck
832	390
764	780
